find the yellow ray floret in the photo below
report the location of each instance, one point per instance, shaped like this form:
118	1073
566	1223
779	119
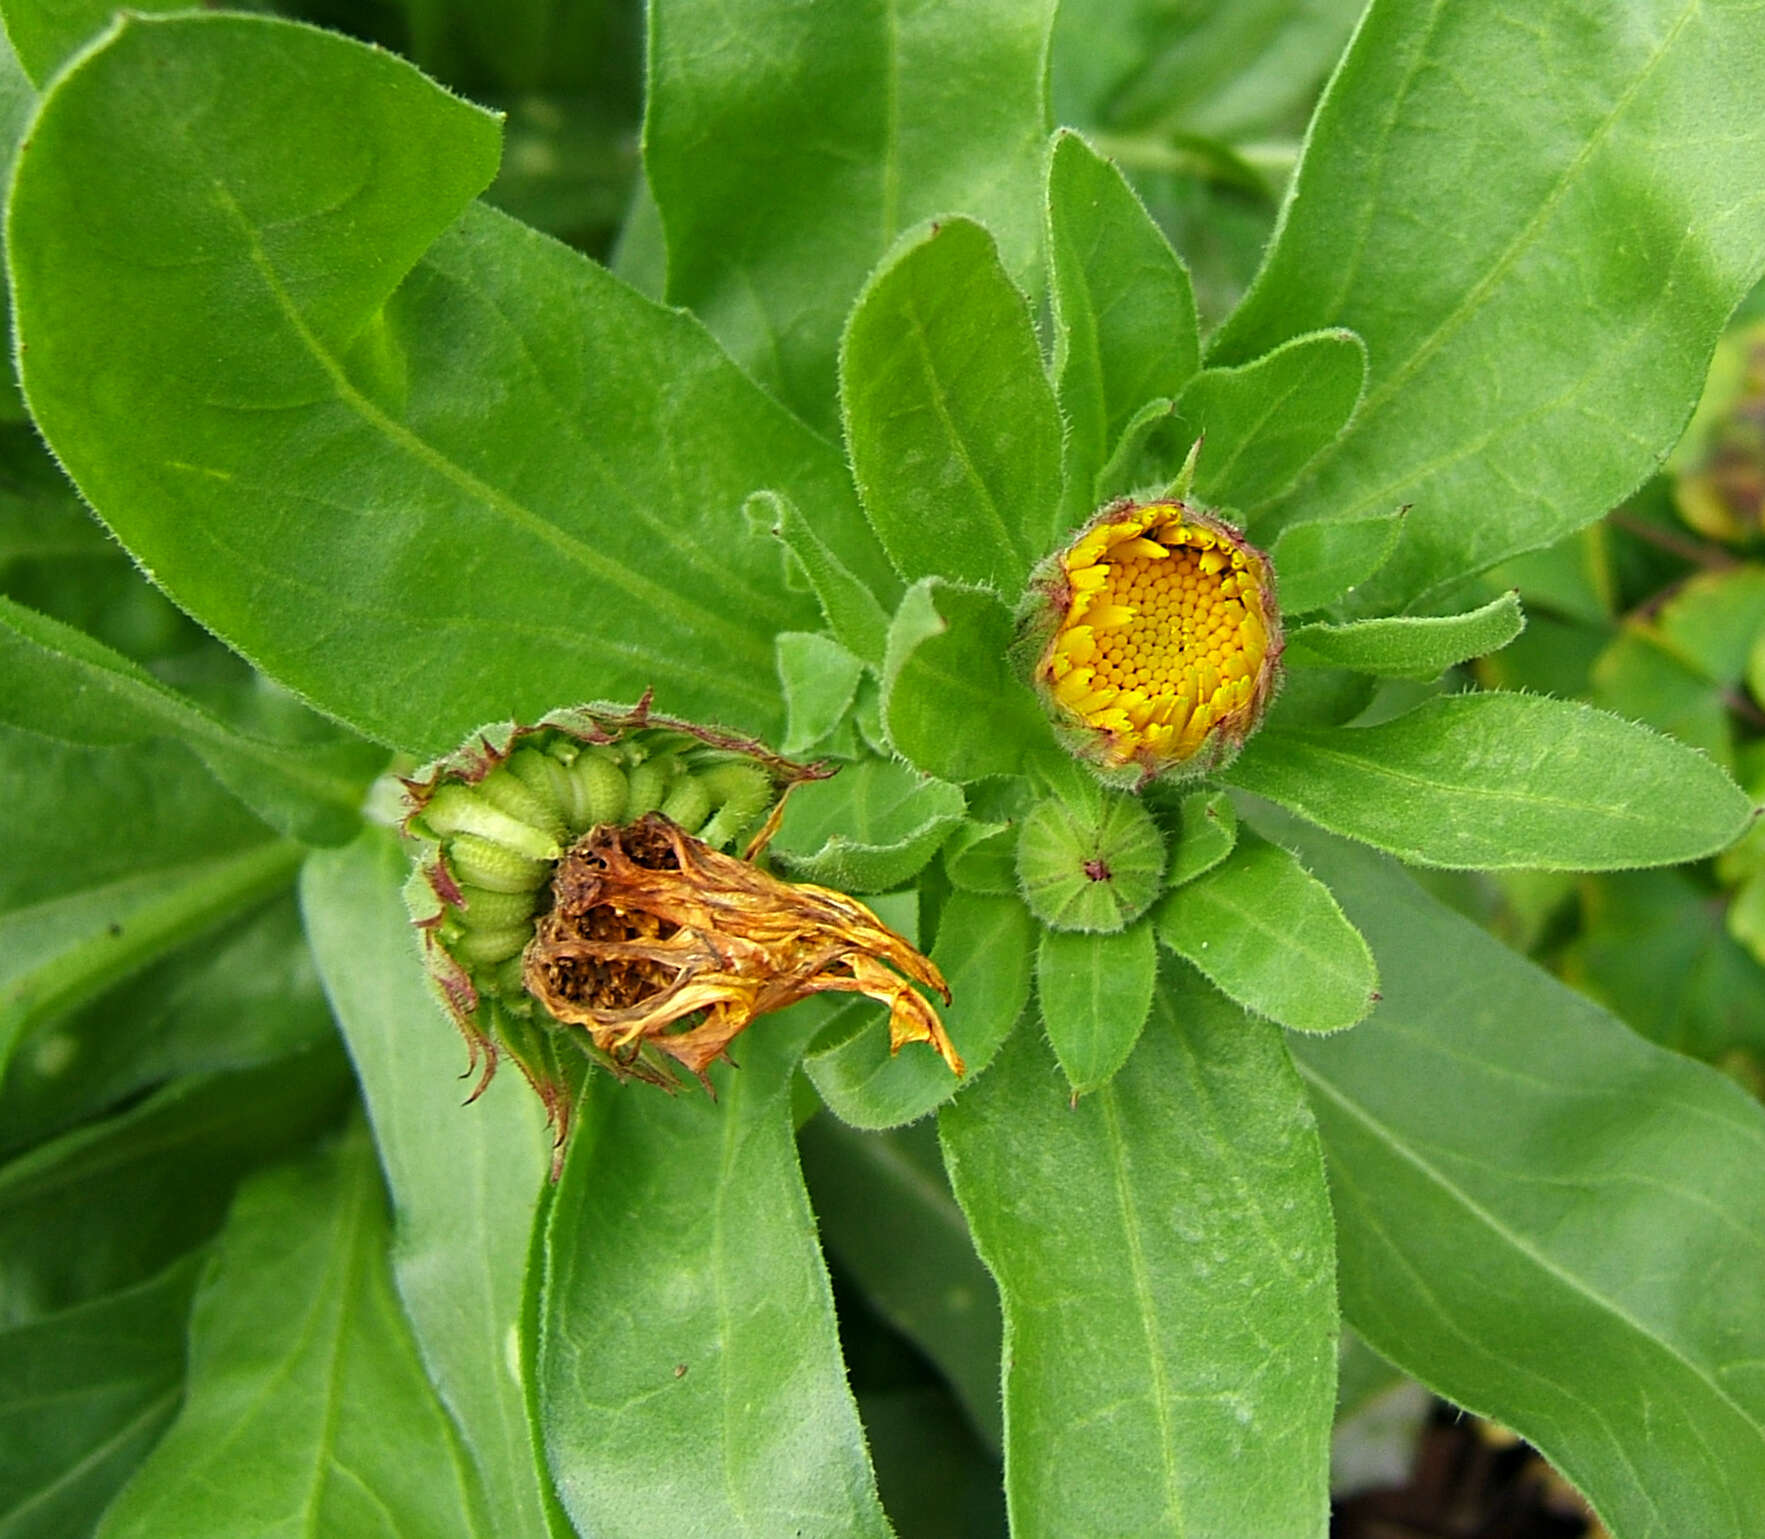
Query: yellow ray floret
1165	633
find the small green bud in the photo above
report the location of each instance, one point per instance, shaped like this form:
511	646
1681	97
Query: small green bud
1094	869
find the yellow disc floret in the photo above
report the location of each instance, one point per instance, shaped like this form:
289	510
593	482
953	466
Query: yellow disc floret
1168	640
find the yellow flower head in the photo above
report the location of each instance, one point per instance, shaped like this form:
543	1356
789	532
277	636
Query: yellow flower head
1166	639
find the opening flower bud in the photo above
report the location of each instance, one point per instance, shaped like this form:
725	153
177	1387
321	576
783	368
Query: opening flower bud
1160	640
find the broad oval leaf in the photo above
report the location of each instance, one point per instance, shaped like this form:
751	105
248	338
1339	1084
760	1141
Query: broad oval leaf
787	147
1448	219
953	705
950	421
712	1399
1094	992
1496	1140
307	1408
1270	936
1407	646
1191	1392
506	456
1266	421
1499	780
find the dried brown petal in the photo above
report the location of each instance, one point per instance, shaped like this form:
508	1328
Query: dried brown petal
650	927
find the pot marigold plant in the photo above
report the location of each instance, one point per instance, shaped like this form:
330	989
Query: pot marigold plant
981	611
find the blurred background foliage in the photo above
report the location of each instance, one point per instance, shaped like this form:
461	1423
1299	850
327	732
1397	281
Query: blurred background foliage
1656	613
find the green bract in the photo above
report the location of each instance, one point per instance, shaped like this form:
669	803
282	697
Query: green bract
381	448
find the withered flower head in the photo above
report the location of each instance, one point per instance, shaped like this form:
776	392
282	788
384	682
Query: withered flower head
1162	640
578	905
655	938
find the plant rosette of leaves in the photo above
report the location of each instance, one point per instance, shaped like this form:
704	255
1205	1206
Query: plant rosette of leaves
425	468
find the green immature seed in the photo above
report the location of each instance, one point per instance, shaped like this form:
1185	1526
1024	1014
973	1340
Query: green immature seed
599	792
486	910
507	793
480	862
478	948
740	793
650	783
459	809
688	803
546	777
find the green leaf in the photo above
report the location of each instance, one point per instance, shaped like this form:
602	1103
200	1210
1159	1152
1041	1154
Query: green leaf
789	147
951	424
1505	400
18	100
240	996
61	806
113	1202
1324	560
886	1213
1634	676
1184	1204
869	829
713	1399
65	685
1653	949
1534	1206
552	466
820	680
1207	828
465	1181
45	32
1124	316
1496	781
61	952
1230	68
1137	459
307	1408
1266	421
1712	620
984	949
1270	936
954	706
853	614
981	856
1407	646
1095	991
87	1392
